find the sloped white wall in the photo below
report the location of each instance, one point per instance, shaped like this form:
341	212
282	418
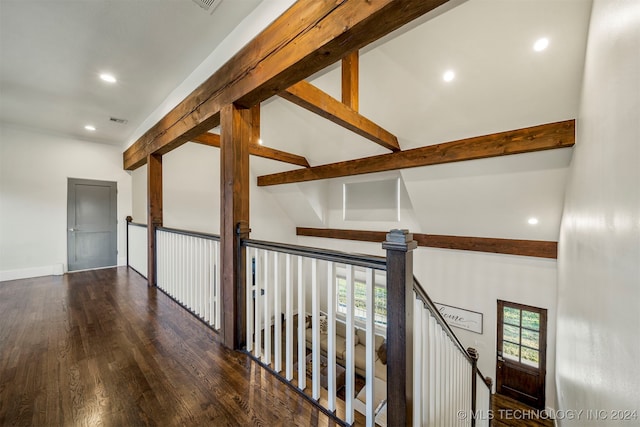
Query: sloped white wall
34	167
599	256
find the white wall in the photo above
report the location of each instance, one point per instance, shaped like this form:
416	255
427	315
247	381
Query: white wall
139	195
34	168
469	280
191	196
191	188
599	252
475	281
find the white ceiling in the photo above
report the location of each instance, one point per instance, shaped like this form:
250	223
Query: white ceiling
52	52
501	84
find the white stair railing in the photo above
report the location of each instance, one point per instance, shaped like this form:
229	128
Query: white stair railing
316	362
286	286
445	374
188	270
137	247
483	401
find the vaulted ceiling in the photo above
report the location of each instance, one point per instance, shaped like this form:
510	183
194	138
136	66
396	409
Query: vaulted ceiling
52	53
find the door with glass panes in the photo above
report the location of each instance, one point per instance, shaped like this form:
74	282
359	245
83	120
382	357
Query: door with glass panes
521	355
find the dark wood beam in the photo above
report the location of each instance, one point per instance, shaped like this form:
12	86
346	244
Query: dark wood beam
306	38
532	248
281	156
350	91
213	140
537	138
309	97
236	134
154	212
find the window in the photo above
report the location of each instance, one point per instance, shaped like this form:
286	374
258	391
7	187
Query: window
521	336
360	295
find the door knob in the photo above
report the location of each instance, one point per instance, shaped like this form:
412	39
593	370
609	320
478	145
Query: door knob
72	229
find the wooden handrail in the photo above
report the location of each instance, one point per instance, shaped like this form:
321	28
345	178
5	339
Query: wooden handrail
367	261
137	224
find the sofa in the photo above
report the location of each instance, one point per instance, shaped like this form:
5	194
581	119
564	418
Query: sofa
360	341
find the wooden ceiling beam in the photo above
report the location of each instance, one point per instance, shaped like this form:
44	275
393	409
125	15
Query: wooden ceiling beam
350	79
537	138
309	97
213	140
281	156
533	248
308	37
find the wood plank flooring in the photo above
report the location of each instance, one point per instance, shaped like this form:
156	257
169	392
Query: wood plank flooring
508	412
101	348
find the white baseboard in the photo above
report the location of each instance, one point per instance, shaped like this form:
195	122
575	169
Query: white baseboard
27	273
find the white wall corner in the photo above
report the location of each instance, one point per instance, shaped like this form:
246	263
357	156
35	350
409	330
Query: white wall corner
28	273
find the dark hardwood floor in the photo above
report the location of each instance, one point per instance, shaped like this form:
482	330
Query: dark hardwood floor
508	412
101	348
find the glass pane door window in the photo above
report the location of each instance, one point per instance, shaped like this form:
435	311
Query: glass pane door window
521	336
521	352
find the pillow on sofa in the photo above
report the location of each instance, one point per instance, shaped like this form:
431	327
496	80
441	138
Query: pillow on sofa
324	325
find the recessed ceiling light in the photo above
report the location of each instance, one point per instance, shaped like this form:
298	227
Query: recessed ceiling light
260	141
448	76
541	44
90	128
532	221
109	78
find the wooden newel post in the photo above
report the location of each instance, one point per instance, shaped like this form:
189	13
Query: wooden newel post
242	232
473	354
236	131
399	246
154	212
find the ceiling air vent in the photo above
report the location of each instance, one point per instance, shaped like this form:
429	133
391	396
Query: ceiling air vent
119	121
208	5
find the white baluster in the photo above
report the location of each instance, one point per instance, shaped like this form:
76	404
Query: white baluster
257	306
315	329
302	350
331	332
207	283
370	348
201	271
277	310
433	383
289	318
350	372
192	273
418	362
267	308
427	377
173	262
218	298
249	299
159	262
